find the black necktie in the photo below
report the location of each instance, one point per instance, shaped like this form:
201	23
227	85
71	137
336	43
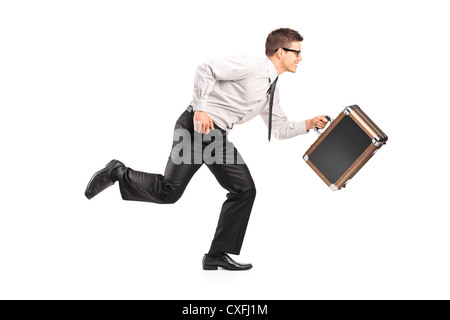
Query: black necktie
272	92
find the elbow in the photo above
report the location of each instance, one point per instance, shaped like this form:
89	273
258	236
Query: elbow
285	134
276	134
205	69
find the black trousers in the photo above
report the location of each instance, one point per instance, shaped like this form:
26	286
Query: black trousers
190	150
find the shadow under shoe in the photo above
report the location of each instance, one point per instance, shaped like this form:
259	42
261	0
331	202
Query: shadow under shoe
102	179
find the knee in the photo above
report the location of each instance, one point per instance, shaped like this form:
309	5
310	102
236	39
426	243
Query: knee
248	190
172	193
252	190
172	198
171	201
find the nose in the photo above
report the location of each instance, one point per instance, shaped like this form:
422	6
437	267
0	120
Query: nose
300	58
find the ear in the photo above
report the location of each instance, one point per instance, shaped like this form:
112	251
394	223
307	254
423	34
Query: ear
279	53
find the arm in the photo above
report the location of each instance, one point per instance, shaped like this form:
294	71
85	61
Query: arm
282	128
226	69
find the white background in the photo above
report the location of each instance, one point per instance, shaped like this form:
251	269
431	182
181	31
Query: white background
83	82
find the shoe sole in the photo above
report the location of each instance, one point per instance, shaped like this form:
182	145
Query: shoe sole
216	267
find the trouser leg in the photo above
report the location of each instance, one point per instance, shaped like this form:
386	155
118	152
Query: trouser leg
234	176
157	188
226	165
149	187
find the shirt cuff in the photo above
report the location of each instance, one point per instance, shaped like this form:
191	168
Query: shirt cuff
300	127
198	105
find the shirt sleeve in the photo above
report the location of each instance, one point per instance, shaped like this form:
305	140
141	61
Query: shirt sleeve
225	69
282	128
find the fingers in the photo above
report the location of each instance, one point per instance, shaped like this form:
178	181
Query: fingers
321	122
197	122
203	127
210	125
203	123
322	119
198	126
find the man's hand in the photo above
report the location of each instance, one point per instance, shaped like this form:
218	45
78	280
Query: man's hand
320	121
202	122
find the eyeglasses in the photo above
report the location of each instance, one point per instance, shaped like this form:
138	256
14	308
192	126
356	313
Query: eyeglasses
298	52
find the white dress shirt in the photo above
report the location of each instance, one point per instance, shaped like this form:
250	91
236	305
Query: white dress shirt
234	90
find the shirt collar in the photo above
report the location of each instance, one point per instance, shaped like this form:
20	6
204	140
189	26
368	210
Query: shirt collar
271	70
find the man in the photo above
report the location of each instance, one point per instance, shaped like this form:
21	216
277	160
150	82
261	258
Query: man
226	92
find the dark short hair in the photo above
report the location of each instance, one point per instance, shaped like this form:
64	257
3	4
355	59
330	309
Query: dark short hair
281	38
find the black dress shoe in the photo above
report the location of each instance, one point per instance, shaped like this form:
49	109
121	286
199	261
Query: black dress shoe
225	262
102	179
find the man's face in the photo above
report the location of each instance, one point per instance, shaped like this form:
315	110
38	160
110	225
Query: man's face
290	59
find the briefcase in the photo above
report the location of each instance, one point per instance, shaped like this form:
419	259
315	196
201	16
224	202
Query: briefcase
344	147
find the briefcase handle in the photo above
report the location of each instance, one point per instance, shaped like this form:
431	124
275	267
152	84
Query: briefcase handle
317	129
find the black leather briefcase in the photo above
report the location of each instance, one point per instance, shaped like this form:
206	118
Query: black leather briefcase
344	147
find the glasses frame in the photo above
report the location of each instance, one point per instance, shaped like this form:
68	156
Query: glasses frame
298	52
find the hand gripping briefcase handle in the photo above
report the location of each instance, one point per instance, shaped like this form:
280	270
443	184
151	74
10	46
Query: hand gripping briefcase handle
316	130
